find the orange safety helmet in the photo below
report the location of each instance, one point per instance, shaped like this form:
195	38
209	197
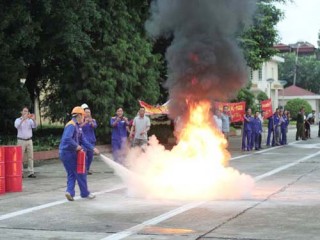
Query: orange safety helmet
77	110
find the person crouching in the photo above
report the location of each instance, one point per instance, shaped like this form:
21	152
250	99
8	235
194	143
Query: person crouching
73	141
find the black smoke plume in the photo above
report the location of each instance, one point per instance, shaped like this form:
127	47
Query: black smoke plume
204	60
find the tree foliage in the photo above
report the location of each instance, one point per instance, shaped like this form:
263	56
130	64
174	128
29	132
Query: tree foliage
244	95
262	96
259	39
294	106
89	51
307	71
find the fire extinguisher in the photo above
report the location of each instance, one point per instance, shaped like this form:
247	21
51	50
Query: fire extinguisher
81	162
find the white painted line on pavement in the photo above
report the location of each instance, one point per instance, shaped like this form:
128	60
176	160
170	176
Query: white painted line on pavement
279	169
262	151
33	209
137	228
153	221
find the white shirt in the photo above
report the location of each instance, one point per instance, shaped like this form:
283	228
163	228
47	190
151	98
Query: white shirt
141	124
24	128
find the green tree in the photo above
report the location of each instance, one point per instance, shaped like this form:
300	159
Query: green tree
15	35
262	96
89	51
244	95
294	106
259	39
116	70
307	71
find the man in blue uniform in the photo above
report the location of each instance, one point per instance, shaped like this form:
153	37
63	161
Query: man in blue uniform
277	121
120	127
247	131
73	141
270	130
256	131
88	126
284	128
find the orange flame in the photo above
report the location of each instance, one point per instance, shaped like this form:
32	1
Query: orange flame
194	169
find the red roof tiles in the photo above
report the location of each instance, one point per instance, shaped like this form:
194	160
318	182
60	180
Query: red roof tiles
296	91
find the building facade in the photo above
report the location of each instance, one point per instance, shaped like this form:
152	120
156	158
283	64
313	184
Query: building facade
266	79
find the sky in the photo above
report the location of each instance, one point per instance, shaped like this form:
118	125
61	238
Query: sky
301	21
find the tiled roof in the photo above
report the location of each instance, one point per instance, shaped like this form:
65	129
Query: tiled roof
296	91
303	48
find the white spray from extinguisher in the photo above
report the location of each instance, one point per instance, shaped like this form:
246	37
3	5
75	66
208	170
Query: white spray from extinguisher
127	176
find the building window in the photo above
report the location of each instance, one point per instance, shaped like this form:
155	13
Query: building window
260	74
251	74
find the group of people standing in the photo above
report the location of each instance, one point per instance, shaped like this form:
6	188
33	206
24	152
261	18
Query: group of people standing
79	135
278	127
252	131
137	130
304	124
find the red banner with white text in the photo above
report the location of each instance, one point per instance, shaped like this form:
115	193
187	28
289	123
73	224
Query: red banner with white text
236	110
162	109
266	107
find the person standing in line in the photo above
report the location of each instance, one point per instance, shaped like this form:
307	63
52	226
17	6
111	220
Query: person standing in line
226	118
24	126
120	127
261	117
284	128
277	127
300	134
309	121
72	141
140	127
270	135
256	131
88	128
247	131
217	117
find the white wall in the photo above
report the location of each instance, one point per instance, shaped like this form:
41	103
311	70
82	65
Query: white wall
259	79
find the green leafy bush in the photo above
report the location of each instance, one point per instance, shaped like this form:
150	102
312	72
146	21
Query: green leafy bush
262	96
44	138
294	106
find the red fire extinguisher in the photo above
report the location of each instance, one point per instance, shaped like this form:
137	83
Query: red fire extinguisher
81	162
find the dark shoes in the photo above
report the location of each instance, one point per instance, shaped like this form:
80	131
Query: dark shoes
69	197
32	176
89	172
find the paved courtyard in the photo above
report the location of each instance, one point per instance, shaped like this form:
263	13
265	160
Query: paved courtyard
285	203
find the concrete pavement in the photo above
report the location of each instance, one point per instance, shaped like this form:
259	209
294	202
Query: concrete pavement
285	203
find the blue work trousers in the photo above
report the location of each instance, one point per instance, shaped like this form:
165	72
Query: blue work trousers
89	158
118	149
69	160
247	140
283	136
270	132
256	140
